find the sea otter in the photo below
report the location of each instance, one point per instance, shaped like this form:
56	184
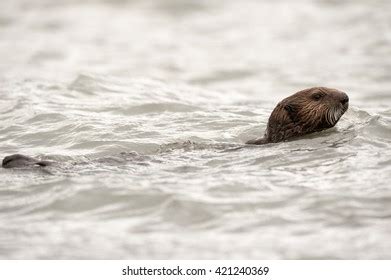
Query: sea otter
307	111
304	112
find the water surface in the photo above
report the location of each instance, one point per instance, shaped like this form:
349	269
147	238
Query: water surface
147	104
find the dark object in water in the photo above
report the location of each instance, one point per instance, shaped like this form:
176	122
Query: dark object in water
19	160
304	112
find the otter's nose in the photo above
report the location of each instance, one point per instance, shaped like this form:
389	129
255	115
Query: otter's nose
344	98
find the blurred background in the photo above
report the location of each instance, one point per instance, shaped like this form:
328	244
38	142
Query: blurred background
252	47
141	102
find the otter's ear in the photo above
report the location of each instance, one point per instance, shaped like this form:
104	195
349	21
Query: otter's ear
292	111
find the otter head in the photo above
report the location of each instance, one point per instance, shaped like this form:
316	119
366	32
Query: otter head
306	111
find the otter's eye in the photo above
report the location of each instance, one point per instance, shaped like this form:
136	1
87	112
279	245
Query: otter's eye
317	96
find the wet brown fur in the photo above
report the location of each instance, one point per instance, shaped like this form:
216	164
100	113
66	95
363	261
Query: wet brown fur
304	112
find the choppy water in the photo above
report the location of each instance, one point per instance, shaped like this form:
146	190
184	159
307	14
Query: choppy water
147	105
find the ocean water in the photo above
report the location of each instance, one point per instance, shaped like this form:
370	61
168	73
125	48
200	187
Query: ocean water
145	105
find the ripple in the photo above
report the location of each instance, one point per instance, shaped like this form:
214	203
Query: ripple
145	107
156	108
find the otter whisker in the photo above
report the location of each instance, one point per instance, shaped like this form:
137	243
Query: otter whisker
333	116
337	115
330	117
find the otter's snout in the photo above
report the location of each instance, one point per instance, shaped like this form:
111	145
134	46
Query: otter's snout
344	98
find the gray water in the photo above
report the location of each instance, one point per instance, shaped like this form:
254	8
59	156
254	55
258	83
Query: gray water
147	104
